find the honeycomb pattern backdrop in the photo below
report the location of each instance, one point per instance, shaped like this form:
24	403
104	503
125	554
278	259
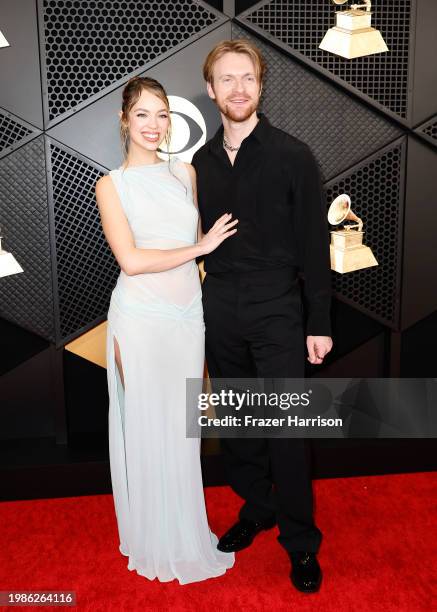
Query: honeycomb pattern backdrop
89	48
301	26
47	189
350	131
374	184
429	130
375	191
89	45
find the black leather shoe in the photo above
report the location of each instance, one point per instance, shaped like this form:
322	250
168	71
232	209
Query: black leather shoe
306	574
241	535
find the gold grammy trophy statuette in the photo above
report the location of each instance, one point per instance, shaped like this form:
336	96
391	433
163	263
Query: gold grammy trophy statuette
348	253
353	35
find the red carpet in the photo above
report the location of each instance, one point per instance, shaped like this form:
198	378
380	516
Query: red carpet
378	553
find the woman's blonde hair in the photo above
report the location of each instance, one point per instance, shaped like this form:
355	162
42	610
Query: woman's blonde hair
131	95
234	46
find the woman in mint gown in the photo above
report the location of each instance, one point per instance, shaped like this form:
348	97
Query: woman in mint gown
155	342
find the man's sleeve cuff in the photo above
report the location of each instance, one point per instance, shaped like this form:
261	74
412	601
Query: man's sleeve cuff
318	325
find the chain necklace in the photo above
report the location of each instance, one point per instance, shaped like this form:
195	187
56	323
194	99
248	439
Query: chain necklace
228	146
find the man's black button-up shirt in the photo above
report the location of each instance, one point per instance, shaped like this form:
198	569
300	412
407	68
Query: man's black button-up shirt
274	189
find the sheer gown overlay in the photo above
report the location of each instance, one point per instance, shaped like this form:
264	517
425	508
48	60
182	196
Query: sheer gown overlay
157	321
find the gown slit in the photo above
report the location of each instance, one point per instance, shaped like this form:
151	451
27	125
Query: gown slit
116	420
157	321
119	361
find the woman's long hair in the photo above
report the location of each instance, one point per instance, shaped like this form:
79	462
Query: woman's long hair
131	95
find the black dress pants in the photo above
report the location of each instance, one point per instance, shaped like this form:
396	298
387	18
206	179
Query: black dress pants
254	329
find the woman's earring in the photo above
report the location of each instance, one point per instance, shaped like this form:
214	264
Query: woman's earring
125	133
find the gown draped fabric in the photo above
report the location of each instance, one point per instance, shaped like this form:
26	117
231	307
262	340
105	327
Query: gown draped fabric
157	321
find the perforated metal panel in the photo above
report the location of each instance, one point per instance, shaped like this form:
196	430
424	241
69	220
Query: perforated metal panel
27	298
375	188
90	44
93	131
340	130
86	268
301	25
429	131
11	132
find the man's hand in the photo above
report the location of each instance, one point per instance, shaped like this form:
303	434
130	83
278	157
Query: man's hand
318	347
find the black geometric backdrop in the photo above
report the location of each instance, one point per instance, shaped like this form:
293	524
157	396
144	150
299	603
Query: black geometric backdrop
375	188
354	114
47	207
85	265
429	130
339	130
11	132
27	298
301	25
371	123
14	132
89	45
344	133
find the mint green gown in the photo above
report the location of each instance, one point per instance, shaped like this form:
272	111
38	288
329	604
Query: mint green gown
157	320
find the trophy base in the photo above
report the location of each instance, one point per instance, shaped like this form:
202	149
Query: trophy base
353	43
349	260
8	264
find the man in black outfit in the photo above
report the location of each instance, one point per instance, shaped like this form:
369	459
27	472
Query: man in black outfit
269	181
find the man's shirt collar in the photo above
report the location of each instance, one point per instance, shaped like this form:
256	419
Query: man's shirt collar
259	133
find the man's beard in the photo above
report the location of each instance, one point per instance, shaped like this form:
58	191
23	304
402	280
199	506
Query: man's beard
238	115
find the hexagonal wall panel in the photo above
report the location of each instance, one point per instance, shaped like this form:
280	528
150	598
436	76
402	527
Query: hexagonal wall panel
20	70
94	130
428	130
301	25
340	130
376	192
92	44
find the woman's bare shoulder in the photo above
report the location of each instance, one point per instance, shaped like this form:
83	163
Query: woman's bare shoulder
191	172
104	183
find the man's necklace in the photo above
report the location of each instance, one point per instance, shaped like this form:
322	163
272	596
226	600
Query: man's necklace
228	146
